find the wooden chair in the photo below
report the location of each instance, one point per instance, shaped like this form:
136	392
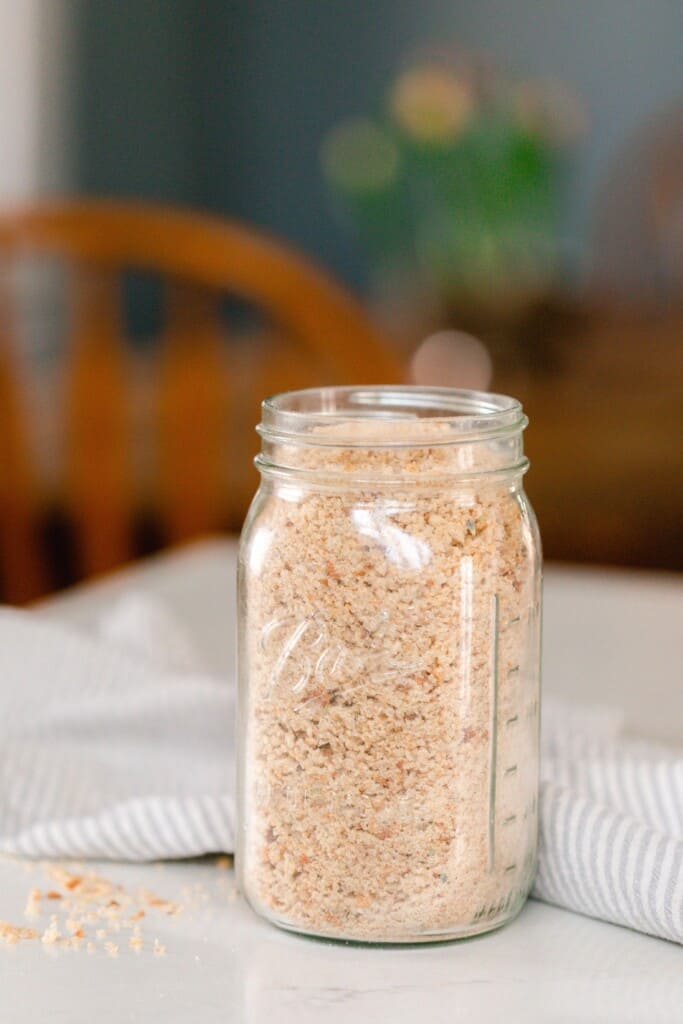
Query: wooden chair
203	397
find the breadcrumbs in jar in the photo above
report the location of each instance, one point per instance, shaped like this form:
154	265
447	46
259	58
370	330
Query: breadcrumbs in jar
389	666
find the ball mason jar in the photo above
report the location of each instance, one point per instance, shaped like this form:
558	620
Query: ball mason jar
390	583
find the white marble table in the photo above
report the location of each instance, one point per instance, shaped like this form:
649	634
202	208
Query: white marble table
609	636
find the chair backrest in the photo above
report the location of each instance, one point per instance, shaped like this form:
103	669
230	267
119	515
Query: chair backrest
201	398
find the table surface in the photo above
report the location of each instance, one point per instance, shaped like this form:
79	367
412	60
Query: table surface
610	637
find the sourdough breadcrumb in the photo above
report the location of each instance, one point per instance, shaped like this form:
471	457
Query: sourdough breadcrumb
87	899
11	934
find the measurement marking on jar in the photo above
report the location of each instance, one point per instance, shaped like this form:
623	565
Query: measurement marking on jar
493	731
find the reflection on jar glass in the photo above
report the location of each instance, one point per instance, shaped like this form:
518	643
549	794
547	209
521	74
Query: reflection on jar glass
389	666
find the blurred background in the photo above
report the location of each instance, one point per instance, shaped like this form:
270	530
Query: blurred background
485	195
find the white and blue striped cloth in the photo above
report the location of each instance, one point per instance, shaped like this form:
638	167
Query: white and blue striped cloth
611	823
112	746
118	745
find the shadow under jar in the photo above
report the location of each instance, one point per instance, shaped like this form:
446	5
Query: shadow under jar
390	577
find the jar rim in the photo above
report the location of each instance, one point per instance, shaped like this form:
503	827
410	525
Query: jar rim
293	416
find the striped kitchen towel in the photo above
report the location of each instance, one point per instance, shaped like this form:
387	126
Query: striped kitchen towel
114	745
118	744
611	823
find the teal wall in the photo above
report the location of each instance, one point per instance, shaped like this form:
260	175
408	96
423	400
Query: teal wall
222	103
137	98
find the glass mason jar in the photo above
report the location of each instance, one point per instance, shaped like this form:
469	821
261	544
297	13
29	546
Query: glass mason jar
390	576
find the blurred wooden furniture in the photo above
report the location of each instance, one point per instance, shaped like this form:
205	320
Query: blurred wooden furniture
637	246
605	441
203	398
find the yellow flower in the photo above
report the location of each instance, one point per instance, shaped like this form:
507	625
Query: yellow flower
431	103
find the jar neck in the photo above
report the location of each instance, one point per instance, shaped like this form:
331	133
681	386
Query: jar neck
391	435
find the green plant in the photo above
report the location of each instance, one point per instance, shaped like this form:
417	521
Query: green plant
458	180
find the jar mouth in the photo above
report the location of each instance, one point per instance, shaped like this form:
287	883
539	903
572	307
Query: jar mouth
388	416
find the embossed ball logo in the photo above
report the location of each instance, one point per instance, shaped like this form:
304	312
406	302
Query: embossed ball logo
316	669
